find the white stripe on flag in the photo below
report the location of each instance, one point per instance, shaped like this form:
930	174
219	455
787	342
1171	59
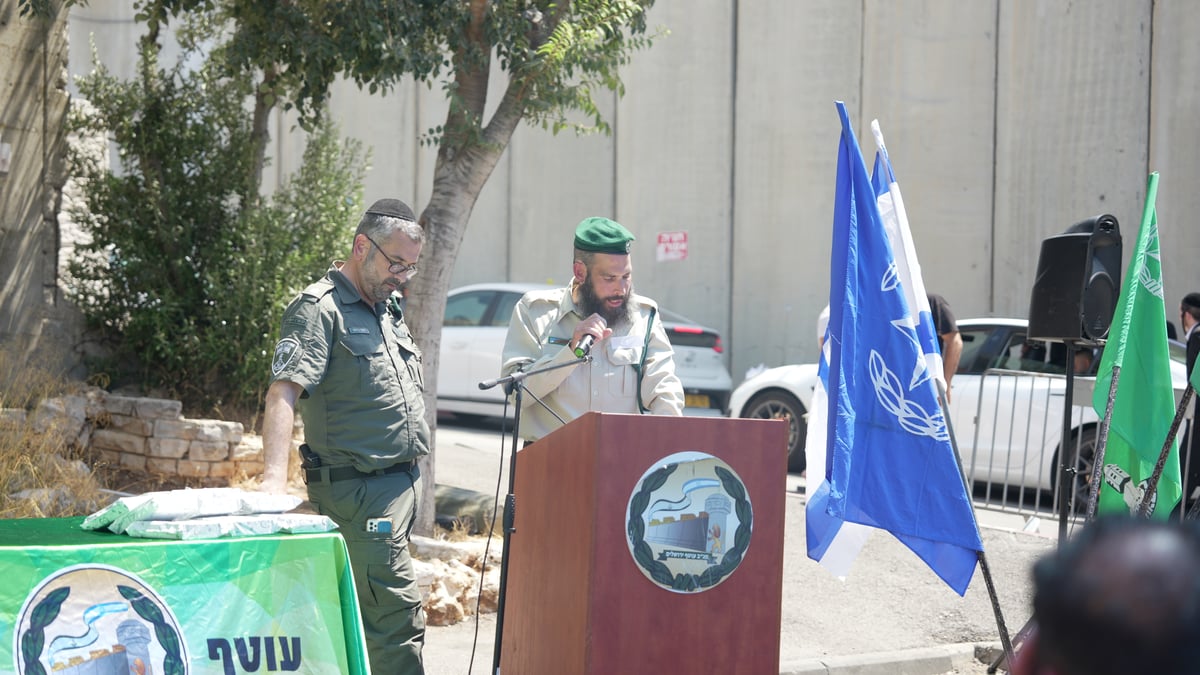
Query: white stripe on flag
895	223
850	537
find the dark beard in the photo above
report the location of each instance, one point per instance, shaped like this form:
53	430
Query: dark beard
590	303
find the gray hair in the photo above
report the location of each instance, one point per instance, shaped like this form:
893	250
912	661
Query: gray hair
377	225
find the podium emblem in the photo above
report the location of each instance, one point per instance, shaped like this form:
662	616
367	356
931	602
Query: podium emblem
689	522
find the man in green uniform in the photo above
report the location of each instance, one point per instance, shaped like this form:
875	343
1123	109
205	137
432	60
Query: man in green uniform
346	361
632	368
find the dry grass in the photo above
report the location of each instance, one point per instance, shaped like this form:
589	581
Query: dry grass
456	529
41	474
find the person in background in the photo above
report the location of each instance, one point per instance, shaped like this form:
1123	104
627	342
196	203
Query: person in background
1121	597
632	368
347	362
822	325
1189	319
1085	358
949	339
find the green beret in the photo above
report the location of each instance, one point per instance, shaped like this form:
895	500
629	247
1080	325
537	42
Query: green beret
602	235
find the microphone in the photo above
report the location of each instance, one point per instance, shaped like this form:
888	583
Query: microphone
585	343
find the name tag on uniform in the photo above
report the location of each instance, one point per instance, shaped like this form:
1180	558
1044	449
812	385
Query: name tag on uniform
358	330
626	341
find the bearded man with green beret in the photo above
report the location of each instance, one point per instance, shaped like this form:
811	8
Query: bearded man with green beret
632	364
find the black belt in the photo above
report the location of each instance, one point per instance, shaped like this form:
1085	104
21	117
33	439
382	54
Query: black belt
347	472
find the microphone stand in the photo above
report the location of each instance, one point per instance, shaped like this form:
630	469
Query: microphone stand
515	382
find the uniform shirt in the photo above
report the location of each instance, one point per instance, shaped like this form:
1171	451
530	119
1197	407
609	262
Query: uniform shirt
539	334
361	374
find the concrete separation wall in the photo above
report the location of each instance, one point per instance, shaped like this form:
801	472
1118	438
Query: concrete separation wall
1006	122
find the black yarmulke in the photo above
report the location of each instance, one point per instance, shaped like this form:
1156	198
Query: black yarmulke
392	208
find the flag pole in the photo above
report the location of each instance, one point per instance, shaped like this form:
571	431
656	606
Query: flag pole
1193	512
1101	445
1005	641
1152	487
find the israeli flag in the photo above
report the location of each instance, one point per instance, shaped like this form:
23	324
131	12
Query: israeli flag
889	460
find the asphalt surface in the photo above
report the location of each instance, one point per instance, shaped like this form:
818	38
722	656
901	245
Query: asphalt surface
891	614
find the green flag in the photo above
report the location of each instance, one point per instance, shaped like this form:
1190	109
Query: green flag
1145	402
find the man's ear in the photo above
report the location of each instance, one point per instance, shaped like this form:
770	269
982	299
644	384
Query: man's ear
580	271
362	248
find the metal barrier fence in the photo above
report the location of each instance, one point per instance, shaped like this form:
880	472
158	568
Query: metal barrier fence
1014	420
1016	423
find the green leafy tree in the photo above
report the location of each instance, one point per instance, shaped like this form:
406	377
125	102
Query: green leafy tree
188	270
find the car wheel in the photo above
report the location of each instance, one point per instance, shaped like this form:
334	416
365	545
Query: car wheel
1085	441
780	405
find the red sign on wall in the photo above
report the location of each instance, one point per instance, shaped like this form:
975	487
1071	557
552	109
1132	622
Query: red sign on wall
672	246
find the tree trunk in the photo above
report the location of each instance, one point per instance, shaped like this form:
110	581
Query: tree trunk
456	186
260	135
467	154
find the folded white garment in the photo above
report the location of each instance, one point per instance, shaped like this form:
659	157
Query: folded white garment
211	527
185	505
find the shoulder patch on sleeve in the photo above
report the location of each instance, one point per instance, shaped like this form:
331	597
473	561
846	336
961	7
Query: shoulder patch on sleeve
286	351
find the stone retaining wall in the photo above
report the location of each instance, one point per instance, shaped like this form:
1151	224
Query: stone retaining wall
150	435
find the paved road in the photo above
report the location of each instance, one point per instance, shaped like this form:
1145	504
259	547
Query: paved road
891	606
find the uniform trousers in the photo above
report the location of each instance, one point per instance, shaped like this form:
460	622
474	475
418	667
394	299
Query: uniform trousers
388	595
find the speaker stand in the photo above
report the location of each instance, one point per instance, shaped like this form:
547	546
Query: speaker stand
1067	469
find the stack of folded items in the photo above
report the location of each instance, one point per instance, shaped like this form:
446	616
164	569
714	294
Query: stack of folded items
205	513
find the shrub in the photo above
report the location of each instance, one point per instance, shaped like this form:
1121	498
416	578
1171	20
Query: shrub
188	269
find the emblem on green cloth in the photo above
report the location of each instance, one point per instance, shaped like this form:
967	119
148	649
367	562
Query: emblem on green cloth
97	619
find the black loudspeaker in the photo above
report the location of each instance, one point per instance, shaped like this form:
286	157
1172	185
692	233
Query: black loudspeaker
1078	279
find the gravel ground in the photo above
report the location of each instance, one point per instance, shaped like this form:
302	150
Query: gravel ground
892	601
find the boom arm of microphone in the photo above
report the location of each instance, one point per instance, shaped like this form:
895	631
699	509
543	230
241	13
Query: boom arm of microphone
522	374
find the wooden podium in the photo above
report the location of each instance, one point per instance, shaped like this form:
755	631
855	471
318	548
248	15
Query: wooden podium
577	602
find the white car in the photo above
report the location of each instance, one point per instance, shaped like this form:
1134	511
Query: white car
476	322
1006	405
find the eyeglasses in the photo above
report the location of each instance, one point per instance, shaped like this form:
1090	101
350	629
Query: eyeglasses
394	266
